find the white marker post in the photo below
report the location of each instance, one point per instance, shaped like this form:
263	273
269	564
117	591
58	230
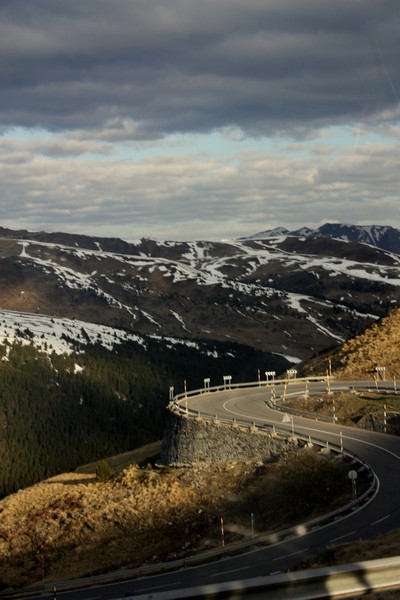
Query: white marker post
227	381
269	374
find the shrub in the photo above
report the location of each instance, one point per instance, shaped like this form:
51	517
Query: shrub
103	471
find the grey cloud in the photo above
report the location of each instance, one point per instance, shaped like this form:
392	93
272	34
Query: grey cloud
266	67
193	197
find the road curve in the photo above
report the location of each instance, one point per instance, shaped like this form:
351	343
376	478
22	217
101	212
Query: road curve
380	451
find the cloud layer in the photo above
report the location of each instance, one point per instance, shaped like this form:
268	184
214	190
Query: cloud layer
196	117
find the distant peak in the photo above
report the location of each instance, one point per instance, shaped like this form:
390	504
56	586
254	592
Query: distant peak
269	233
381	236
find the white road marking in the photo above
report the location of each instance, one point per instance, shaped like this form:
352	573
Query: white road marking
380	520
161	587
315	430
232	571
287	555
341	537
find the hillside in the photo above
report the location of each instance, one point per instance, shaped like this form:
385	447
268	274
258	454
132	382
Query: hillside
71	526
291	295
378	346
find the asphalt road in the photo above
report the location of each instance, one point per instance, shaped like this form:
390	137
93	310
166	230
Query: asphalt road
380	451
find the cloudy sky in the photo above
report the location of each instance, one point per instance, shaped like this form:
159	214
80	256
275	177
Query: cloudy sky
198	119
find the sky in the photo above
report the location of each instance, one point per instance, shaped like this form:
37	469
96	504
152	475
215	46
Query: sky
198	119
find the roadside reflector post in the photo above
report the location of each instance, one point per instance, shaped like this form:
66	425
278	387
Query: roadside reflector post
352	475
227	381
269	374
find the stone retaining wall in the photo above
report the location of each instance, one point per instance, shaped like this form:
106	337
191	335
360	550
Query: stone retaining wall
189	440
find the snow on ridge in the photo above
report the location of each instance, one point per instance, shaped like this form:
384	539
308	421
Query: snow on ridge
62	336
179	319
75	279
291	359
268	233
65	336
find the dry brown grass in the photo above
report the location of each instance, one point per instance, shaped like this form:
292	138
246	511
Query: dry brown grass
82	527
378	345
361	409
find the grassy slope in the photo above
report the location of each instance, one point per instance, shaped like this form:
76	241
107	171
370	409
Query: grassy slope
81	527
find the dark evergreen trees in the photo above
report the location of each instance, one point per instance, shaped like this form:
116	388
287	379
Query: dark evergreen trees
55	416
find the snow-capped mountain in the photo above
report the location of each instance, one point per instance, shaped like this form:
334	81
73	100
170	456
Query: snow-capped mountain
289	294
381	236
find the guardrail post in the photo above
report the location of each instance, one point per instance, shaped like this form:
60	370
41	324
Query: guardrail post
171	393
207	384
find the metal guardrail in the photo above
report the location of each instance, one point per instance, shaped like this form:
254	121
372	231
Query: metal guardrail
344	581
248	384
299	413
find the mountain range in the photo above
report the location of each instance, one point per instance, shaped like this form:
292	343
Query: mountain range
290	293
384	237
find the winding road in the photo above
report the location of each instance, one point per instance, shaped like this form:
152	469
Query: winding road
381	514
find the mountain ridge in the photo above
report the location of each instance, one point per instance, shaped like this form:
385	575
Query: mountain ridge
380	236
289	295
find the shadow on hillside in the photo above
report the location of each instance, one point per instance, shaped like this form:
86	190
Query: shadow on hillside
72	481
